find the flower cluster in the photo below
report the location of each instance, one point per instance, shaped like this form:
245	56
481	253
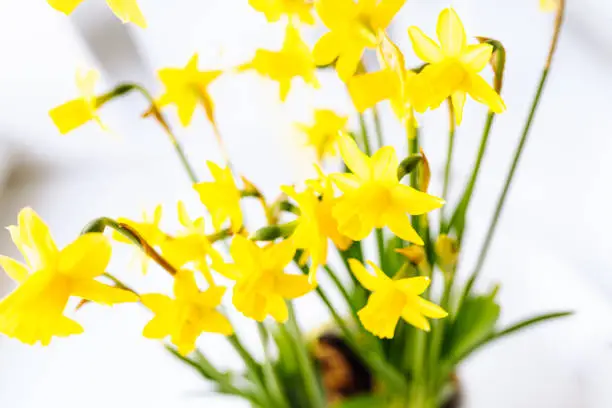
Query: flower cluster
341	208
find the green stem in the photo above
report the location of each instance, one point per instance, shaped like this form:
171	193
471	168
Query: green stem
364	135
378	127
380	241
273	383
519	150
449	157
343	292
305	363
463	205
123	89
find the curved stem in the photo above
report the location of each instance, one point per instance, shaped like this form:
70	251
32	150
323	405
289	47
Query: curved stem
343	291
157	114
100	224
519	150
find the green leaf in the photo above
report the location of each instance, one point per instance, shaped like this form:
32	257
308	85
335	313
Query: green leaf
366	401
474	324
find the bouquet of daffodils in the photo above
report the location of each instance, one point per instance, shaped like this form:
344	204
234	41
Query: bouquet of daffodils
400	342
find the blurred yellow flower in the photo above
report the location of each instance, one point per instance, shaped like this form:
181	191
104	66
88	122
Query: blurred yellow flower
393	82
185	317
323	133
127	10
185	87
373	197
354	26
392	299
315	226
77	112
221	197
149	229
293	60
34	311
300	10
261	284
191	245
549	5
453	68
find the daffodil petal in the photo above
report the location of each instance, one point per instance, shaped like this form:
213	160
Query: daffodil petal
212	297
400	225
415	202
429	309
413	286
86	257
451	33
365	278
128	11
416	319
353	157
156	302
326	50
348	61
277	256
476	57
292	286
385	11
185	286
482	92
277	308
65	6
334	12
367	90
385	164
424	47
15	270
100	293
345	182
215	322
71	115
156	328
458	101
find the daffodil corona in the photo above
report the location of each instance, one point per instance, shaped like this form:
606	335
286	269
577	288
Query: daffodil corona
126	10
393	299
186	87
354	26
453	68
77	112
373	197
185	317
34	311
262	286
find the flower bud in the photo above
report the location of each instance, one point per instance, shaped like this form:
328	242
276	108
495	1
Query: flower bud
447	250
408	165
414	253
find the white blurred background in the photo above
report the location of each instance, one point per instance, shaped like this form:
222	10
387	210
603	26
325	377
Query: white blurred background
552	250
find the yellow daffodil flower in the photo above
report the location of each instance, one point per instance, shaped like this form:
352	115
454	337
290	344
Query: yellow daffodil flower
549	5
185	317
77	112
261	284
453	67
392	299
293	60
393	82
354	26
300	10
190	246
221	197
127	10
323	133
34	311
186	87
373	197
149	229
315	226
